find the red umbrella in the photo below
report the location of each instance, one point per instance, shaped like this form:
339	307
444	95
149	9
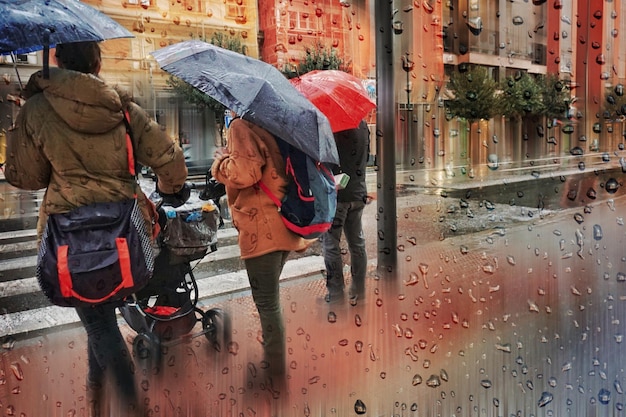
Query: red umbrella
339	95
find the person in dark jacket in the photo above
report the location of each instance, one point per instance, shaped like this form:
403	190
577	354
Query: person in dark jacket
353	149
70	138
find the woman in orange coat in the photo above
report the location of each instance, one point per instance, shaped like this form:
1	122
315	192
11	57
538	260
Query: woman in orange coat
252	155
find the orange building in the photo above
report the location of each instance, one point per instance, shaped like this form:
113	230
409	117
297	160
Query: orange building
580	41
288	28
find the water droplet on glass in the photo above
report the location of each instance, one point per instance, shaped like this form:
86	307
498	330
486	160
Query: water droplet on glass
233	348
597	232
503	347
252	369
372	354
611	204
546	398
611	186
433	381
532	306
314	380
16	368
413	279
358	346
592	194
489	269
485	383
579	218
604	396
332	317
359	407
492	162
417	379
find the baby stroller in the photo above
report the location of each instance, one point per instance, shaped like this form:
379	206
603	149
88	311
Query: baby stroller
165	311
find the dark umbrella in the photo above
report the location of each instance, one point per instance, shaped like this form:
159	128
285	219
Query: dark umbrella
255	90
32	25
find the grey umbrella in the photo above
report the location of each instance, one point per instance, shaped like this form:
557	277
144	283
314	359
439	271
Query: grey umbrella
255	90
32	25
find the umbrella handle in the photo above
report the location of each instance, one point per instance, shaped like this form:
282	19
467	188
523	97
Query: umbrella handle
46	54
19	79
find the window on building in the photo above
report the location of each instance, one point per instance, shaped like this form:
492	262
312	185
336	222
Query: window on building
235	9
143	3
301	21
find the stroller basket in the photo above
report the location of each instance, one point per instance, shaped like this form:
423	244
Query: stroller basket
190	234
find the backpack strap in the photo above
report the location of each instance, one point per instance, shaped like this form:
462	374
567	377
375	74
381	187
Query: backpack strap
130	146
270	194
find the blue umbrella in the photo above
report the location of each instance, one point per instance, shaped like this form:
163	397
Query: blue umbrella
255	90
32	25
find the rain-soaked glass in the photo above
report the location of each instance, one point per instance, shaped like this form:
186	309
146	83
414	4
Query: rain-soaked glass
493	220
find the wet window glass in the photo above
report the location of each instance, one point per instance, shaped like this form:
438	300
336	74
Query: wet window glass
492	213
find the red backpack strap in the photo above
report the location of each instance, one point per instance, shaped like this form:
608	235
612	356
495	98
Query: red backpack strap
130	146
270	194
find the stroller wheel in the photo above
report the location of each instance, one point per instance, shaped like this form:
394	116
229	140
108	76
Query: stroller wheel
147	347
216	326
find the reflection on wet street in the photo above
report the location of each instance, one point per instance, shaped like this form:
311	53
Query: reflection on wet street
522	315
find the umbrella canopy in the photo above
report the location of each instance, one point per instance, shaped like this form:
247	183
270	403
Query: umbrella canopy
255	90
339	95
32	25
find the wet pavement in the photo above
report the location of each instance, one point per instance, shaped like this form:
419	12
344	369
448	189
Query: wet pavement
500	310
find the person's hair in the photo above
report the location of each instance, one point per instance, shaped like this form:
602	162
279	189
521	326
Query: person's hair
79	56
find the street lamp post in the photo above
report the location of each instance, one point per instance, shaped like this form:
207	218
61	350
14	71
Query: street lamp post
385	140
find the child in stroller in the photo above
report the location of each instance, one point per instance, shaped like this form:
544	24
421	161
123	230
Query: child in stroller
165	310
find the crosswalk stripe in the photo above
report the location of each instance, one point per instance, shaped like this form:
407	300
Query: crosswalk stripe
23	322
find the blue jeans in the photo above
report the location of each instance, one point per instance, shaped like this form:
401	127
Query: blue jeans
347	220
107	354
264	274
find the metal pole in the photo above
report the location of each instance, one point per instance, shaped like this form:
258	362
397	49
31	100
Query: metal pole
385	138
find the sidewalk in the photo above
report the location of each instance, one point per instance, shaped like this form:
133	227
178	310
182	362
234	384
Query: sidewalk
414	189
476	315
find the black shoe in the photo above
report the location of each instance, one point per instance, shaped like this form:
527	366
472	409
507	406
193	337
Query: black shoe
333	298
356	297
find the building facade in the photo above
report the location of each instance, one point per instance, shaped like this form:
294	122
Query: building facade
580	41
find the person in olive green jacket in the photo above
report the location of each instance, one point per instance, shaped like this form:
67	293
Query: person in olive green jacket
70	138
252	155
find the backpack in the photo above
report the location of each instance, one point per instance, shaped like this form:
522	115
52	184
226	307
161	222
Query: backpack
310	200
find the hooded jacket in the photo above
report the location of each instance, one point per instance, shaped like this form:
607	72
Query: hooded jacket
254	156
70	138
